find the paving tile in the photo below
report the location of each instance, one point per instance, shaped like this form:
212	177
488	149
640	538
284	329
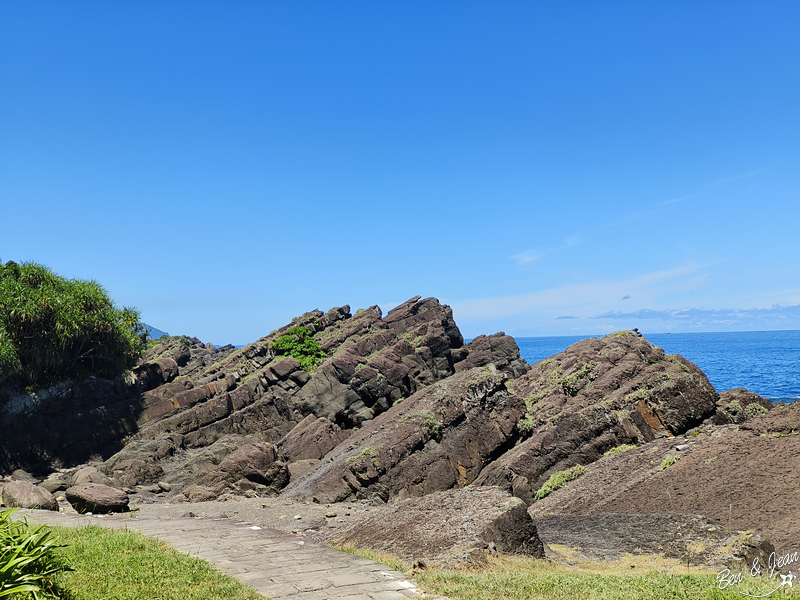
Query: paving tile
276	563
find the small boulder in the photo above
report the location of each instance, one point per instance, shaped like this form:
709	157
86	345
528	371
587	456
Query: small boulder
97	498
20	475
24	494
285	367
56	482
90	475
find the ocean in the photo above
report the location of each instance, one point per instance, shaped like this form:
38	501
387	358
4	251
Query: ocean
765	362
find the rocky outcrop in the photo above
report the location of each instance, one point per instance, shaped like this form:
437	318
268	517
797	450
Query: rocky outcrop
740	477
24	494
598	394
439	438
96	498
499	349
71	421
450	528
692	539
737	405
311	438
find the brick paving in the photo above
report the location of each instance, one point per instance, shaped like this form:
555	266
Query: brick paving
275	563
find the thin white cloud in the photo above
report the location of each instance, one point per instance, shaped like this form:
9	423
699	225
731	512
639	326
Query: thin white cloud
681	199
526	258
532	256
589	296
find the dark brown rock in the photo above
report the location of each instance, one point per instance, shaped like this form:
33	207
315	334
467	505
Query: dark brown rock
91	475
24	494
692	538
284	368
740	477
21	475
441	528
96	498
598	394
499	349
56	482
739	404
439	438
311	438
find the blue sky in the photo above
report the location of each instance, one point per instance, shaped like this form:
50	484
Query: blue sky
559	168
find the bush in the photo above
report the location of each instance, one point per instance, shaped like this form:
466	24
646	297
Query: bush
52	328
27	559
559	480
298	343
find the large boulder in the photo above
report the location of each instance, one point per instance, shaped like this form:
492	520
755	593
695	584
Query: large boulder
24	494
96	498
598	394
439	438
447	527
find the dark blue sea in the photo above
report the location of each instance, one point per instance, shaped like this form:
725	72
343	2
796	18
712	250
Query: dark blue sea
765	362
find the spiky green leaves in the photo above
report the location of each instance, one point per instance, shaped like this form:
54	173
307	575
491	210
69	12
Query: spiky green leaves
52	328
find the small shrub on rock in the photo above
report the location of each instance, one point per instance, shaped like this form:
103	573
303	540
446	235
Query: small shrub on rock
618	449
668	462
299	343
559	480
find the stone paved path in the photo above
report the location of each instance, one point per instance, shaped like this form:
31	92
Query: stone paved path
277	564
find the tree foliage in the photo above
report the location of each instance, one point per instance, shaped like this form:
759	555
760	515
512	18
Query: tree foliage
299	343
53	328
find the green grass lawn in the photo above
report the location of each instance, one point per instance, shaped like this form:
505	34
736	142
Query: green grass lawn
116	565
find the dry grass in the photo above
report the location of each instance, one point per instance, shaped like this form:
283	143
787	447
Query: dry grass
632	577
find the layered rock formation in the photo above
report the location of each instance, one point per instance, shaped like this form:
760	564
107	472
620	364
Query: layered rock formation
598	394
439	438
397	409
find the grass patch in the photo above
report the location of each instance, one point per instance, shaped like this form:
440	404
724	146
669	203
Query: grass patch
618	449
559	480
390	560
366	452
129	566
426	418
526	579
668	462
632	577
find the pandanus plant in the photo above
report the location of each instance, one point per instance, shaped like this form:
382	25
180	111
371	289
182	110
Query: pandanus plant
52	328
28	558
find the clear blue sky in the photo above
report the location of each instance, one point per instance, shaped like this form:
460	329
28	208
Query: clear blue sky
546	168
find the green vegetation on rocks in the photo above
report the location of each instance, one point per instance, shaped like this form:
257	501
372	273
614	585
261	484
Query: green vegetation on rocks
618	449
52	328
559	480
299	343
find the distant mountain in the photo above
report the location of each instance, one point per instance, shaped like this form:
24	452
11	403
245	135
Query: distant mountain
154	333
